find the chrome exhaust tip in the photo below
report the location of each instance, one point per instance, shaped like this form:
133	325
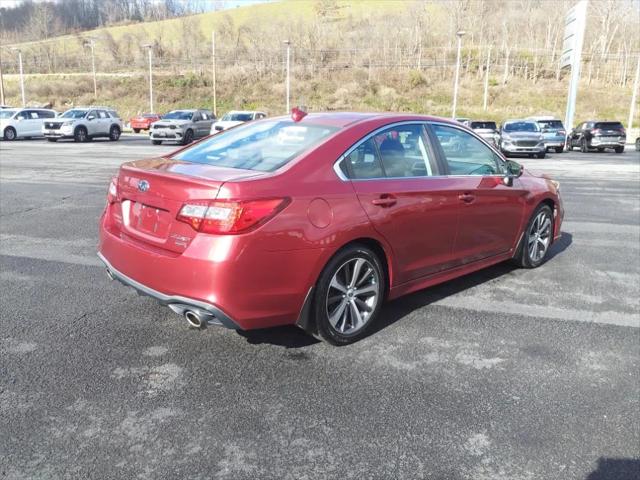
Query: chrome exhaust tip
110	274
193	319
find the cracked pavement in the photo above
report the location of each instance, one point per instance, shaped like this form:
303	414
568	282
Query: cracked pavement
503	374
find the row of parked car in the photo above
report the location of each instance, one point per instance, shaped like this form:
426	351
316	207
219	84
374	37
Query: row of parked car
533	136
85	123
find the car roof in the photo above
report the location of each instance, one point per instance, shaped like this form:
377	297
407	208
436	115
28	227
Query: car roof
344	119
522	120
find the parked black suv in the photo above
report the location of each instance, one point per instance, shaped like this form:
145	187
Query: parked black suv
599	135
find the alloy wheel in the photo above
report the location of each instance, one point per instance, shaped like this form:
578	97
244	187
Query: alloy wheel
352	296
10	134
539	236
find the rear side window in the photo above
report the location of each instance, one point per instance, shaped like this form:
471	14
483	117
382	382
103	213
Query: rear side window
263	146
550	124
465	154
103	114
396	152
609	125
46	114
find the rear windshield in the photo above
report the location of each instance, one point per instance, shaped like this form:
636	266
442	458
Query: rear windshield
550	124
520	127
178	115
74	114
608	125
264	146
237	117
483	125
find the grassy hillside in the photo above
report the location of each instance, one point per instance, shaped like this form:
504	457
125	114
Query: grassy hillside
374	55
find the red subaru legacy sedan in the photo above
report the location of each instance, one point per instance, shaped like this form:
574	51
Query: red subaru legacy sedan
316	219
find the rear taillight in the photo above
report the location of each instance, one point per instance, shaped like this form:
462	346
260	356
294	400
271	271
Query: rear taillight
562	132
230	216
112	193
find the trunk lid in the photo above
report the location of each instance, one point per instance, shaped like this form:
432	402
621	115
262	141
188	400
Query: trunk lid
152	192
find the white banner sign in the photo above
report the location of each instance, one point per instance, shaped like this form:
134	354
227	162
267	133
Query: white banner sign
574	24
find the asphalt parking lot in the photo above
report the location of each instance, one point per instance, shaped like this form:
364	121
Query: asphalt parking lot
503	374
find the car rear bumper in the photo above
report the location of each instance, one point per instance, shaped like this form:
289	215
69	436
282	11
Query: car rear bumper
176	302
605	142
231	277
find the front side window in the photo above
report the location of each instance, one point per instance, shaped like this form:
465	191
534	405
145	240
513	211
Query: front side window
465	154
23	115
263	146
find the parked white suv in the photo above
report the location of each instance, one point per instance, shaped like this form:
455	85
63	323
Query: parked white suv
23	122
236	117
83	124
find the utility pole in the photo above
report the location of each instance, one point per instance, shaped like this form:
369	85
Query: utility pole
1	83
149	47
459	34
288	81
486	81
91	44
213	72
24	100
634	96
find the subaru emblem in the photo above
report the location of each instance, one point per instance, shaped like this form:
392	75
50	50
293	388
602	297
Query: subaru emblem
143	185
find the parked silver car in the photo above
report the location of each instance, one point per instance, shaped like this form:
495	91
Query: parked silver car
486	129
522	137
182	126
83	124
235	118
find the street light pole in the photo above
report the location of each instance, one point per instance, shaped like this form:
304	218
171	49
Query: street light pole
634	96
486	82
1	83
288	81
213	72
91	45
459	34
24	100
149	47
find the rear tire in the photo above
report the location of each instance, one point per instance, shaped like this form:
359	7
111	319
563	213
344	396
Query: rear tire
600	149
9	134
584	148
80	135
136	130
559	149
536	239
52	140
619	149
541	155
156	142
348	295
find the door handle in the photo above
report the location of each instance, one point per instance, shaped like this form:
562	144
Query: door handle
385	200
466	197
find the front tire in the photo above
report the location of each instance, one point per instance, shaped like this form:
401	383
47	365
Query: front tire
188	137
114	133
136	130
9	134
156	142
52	140
541	155
80	135
559	149
348	296
619	149
537	238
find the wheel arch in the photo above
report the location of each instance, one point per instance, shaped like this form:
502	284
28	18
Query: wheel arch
305	318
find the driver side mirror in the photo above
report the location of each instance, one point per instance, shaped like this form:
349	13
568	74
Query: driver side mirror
514	170
90	117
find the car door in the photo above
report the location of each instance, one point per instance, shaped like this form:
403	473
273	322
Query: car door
104	122
43	115
395	174
93	123
204	127
490	211
26	123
